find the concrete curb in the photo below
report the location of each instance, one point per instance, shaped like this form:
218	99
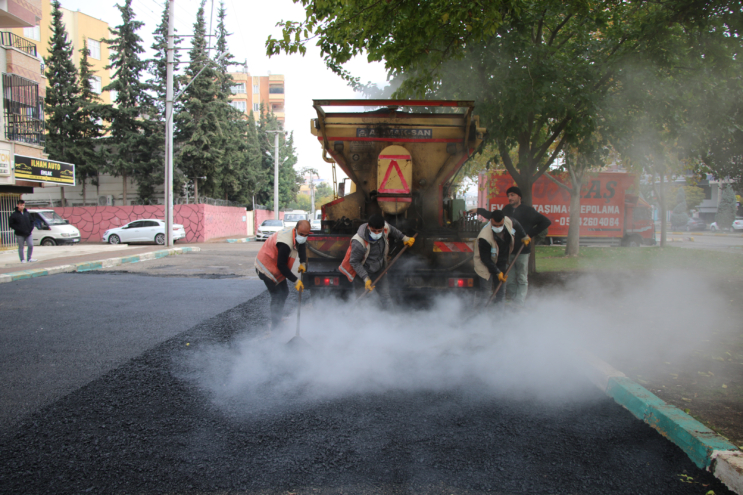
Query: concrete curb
94	265
705	448
244	239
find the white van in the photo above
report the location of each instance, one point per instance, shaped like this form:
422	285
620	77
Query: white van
292	217
50	229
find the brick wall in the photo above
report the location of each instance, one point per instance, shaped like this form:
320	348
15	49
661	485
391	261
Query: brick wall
201	222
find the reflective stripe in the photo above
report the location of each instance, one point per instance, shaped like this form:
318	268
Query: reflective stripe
348	275
265	271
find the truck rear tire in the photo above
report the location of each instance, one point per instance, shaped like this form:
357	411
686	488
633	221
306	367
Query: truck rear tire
632	241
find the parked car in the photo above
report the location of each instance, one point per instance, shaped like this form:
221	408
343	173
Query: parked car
267	228
50	229
695	224
292	217
315	225
738	224
147	230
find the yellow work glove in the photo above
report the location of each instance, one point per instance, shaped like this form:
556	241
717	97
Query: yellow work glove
302	268
299	286
502	277
409	242
526	240
368	285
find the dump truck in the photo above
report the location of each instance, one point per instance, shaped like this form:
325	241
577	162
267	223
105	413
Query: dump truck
612	211
403	158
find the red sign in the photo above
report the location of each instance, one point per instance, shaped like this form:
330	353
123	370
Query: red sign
601	204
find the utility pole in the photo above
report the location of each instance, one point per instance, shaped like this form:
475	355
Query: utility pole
169	127
275	173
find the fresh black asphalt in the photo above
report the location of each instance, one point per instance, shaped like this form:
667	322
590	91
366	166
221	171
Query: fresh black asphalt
131	421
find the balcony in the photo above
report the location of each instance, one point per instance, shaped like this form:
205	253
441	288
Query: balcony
24	115
15	41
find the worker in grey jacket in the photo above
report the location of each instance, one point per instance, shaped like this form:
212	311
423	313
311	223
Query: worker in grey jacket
366	257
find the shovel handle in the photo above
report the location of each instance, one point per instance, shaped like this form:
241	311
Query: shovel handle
384	271
495	292
299	306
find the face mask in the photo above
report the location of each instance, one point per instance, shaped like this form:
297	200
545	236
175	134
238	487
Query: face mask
374	236
497	230
300	239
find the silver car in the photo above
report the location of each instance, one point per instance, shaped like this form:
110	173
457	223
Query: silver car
267	228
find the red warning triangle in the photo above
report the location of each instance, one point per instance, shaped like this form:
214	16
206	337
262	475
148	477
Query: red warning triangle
404	190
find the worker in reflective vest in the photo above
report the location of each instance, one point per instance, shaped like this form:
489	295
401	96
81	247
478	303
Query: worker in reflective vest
275	261
493	246
366	257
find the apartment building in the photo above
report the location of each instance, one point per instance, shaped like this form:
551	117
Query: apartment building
250	91
80	28
23	164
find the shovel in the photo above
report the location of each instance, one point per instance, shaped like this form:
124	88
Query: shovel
495	292
298	341
383	272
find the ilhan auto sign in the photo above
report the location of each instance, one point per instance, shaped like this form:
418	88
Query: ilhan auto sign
40	170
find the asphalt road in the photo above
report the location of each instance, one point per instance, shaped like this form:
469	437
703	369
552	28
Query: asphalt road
109	372
723	243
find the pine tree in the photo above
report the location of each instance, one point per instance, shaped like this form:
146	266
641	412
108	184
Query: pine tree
289	179
199	130
61	103
151	175
236	173
726	208
87	157
130	130
257	177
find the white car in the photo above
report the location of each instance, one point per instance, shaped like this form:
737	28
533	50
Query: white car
267	228
738	224
292	217
50	229
147	230
315	225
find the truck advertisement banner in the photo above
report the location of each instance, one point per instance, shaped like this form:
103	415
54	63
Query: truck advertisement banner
602	201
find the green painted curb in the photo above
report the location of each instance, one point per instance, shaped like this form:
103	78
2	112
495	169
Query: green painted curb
698	441
244	239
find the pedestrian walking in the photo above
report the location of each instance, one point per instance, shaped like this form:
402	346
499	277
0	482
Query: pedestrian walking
21	223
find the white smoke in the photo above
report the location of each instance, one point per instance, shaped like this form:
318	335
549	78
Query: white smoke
526	353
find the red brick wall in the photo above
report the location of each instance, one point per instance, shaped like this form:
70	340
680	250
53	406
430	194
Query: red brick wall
201	222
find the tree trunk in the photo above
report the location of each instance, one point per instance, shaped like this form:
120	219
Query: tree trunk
123	197
662	204
196	191
573	244
62	198
84	199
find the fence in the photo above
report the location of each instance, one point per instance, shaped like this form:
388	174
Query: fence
10	39
7	207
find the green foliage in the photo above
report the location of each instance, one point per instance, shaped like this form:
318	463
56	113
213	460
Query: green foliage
62	100
289	179
694	196
129	143
679	217
87	157
726	209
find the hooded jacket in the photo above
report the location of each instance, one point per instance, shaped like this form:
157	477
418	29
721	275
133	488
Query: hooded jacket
21	223
365	254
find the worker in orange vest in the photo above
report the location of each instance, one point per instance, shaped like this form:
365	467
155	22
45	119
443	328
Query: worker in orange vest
367	255
275	261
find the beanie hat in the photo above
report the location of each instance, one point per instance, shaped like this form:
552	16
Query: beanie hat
515	190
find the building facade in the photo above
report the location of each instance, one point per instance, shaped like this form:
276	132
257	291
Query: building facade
80	28
250	91
22	125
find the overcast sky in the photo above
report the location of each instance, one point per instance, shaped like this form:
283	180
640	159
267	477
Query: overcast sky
251	22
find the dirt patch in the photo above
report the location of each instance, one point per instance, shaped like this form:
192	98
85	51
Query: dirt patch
708	382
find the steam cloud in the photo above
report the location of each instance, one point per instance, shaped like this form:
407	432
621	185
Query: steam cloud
528	353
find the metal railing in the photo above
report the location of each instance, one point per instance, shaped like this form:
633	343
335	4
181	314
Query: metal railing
24	117
203	200
10	39
7	207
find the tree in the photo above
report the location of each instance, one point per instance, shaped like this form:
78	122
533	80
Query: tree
87	156
323	194
258	177
289	179
199	129
694	196
726	209
130	130
151	174
62	100
679	217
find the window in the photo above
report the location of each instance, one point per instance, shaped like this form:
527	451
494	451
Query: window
32	33
24	118
239	105
151	223
134	225
255	89
256	107
276	90
95	84
238	88
94	49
